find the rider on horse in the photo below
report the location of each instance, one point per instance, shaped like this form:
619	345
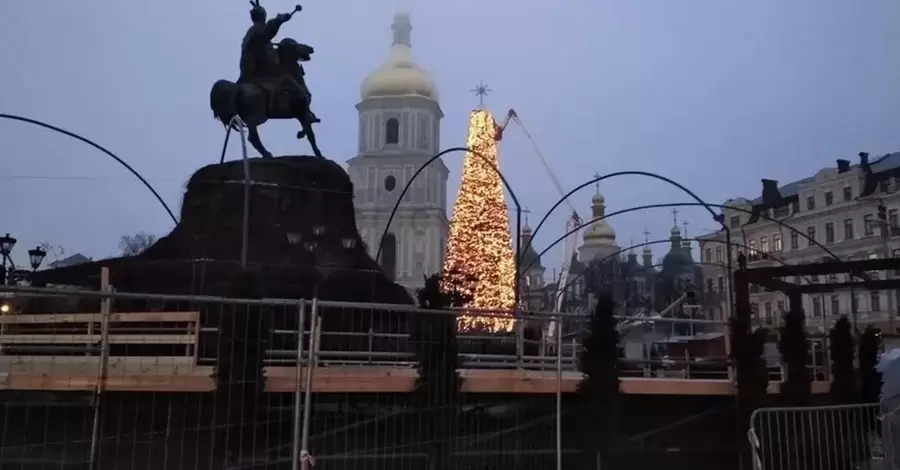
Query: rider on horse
259	61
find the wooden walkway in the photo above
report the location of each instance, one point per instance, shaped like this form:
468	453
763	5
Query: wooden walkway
80	351
144	374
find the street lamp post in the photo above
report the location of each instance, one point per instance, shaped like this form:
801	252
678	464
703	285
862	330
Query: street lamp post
7	243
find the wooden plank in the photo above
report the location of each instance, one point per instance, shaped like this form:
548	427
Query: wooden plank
120	317
280	379
200	382
343	379
82	365
54	338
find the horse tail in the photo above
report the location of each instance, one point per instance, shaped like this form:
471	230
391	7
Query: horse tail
222	100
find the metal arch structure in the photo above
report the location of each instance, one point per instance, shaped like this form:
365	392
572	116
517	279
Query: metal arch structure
690	204
509	189
720	218
98	147
666	240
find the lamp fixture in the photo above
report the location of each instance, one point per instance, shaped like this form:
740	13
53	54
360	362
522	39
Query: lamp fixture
36	257
6	244
294	238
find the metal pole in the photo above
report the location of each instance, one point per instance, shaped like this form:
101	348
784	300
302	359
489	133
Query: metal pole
295	451
518	253
105	309
245	228
307	399
885	236
559	376
730	268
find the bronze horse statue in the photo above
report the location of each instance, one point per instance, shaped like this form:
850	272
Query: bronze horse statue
251	101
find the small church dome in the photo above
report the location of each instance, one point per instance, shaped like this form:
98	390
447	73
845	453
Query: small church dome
600	232
399	75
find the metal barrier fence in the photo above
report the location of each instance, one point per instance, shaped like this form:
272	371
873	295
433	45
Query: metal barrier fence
107	380
860	436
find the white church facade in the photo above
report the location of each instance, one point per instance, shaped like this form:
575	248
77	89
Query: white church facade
399	130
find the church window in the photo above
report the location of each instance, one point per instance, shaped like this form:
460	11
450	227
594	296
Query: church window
422	132
390	183
392	131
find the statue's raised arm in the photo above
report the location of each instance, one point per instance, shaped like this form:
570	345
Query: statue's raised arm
257	53
269	29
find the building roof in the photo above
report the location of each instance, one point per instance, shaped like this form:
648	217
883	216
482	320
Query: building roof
77	258
886	162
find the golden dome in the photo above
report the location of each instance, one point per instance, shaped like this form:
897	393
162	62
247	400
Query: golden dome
399	75
600	232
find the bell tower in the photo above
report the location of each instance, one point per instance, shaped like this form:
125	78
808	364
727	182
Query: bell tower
399	130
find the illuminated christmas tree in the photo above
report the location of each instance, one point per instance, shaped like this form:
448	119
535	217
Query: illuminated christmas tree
480	261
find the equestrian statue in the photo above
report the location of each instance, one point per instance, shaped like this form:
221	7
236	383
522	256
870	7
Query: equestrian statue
271	84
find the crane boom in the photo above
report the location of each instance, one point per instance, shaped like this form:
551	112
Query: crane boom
572	224
513	115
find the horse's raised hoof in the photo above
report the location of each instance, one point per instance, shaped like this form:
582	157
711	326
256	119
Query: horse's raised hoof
301	135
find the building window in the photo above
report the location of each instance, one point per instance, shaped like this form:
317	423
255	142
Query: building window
817	306
708	258
829	198
776	243
768	310
795	240
718	254
735	221
721	282
811	234
885	186
764	244
893	220
795	207
811	203
392	131
848	193
829	232
854	303
780	307
752	247
709	285
848	229
875	301
390	183
868	224
835	305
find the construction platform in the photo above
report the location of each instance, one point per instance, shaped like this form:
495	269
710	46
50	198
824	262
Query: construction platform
91	351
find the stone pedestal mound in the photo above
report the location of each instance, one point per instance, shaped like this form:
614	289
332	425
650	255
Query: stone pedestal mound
302	238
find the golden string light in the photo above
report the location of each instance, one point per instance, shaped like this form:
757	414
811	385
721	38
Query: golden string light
480	262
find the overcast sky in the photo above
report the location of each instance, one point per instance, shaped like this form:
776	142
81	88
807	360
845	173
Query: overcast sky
715	94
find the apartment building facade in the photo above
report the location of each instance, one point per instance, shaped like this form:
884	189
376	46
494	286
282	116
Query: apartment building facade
853	210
